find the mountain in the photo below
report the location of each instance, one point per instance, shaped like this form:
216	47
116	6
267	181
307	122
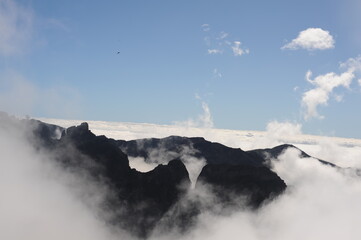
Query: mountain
214	153
163	197
198	147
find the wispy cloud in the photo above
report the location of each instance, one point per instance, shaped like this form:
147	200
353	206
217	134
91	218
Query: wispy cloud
237	50
214	51
324	85
217	73
205	27
312	39
203	120
16	25
223	35
57	24
220	43
207	41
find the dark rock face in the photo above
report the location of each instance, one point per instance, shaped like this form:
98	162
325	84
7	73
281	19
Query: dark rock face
230	183
231	173
272	153
143	197
214	153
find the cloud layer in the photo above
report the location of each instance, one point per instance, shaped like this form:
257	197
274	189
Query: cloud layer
312	39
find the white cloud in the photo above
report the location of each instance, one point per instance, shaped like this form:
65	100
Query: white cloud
352	64
16	23
281	130
359	82
338	98
221	44
323	87
214	51
204	120
216	73
223	35
41	197
237	50
205	27
207	41
312	39
57	24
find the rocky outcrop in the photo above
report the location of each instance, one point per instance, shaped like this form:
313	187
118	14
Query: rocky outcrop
198	147
273	153
143	198
241	184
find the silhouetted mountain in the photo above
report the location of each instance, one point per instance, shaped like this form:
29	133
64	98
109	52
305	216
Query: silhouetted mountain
272	153
214	153
175	146
142	198
139	201
231	172
241	184
136	200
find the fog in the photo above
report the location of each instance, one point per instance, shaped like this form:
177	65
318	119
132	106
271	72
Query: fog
320	203
41	200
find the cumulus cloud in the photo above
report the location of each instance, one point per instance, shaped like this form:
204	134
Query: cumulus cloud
352	64
279	130
276	133
16	24
324	85
312	39
237	50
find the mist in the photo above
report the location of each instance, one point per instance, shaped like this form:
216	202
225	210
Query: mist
41	200
320	203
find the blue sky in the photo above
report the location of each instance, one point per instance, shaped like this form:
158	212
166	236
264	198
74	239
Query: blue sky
240	60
